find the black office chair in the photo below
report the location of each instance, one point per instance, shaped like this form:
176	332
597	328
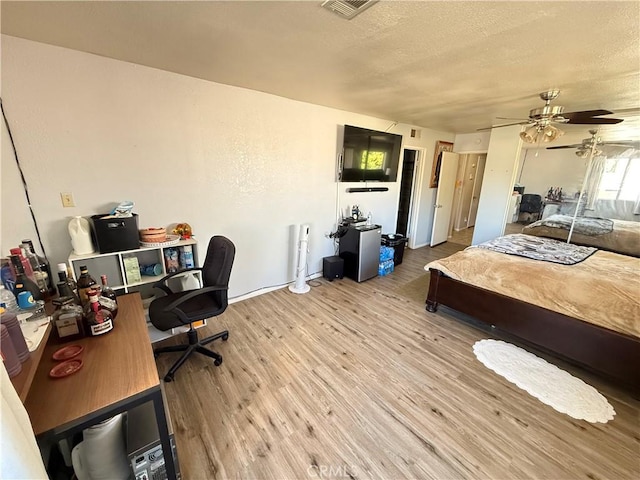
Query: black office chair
531	204
184	308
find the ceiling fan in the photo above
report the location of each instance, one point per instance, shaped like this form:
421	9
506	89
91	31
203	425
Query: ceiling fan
592	143
541	120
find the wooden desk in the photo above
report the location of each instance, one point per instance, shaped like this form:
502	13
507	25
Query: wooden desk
118	373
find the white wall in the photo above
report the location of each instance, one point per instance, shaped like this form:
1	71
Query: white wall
541	169
230	161
472	142
499	176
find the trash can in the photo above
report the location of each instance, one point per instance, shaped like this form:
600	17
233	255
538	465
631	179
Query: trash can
397	241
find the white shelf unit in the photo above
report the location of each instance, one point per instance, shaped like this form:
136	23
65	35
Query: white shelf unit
112	265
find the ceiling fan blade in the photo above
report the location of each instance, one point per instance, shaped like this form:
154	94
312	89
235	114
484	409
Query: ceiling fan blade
564	146
629	144
524	122
585	114
624	143
512	118
594	121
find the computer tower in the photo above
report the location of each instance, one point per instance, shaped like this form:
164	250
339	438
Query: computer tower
332	267
144	449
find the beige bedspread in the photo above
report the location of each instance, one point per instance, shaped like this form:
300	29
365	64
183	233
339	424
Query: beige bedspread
625	237
603	290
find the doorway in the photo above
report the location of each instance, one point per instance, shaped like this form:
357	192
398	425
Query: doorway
457	204
406	190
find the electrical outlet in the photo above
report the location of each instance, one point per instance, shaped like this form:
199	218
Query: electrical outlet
67	200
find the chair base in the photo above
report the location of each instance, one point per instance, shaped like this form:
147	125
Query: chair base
194	346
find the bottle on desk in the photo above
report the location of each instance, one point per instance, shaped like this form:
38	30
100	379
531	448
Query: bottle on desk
67	319
64	291
23	282
43	265
98	319
85	284
8	300
39	276
107	298
63	276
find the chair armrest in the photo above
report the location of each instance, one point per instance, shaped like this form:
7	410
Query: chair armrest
161	283
173	306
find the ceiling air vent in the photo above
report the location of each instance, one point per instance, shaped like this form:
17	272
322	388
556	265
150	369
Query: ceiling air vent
347	8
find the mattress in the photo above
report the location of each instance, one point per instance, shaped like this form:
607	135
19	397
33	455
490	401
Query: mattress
602	290
624	237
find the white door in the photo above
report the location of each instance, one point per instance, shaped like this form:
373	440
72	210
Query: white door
444	198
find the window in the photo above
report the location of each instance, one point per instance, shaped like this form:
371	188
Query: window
616	182
372	160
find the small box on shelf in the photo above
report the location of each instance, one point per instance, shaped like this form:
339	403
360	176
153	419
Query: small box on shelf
132	269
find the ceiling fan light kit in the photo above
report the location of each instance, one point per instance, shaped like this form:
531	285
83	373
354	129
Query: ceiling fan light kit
541	119
541	133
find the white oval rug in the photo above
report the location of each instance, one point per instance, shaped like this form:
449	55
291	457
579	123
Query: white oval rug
543	380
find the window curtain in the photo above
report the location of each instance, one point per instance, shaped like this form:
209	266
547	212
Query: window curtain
592	183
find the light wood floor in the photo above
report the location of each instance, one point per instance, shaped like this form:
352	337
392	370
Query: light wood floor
359	381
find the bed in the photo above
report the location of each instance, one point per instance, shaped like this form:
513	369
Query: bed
587	312
620	236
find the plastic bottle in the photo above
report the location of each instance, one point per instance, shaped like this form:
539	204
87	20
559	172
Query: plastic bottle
186	257
369	220
8	300
80	233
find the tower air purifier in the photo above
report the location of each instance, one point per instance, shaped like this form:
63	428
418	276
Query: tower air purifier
300	285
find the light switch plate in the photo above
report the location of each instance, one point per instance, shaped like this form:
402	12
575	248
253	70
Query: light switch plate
67	200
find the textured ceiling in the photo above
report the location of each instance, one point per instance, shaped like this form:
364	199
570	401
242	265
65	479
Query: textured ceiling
446	65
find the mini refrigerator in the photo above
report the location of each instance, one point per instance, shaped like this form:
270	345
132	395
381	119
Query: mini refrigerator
360	250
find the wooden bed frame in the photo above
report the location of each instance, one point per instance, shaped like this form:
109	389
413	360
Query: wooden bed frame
610	353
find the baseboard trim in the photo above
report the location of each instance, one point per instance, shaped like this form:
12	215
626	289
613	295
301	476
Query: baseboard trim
264	290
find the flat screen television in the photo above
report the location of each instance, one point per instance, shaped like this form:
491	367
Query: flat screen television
369	155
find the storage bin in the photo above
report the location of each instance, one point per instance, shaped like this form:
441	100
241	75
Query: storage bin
115	234
397	242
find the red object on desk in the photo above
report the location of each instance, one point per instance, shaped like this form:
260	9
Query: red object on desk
70	351
65	369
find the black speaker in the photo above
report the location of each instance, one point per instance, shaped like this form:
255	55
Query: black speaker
332	267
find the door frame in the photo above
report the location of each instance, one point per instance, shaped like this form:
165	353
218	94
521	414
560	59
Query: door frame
416	192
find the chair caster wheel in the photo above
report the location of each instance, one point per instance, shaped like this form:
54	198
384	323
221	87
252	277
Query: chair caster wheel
217	362
168	378
225	337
